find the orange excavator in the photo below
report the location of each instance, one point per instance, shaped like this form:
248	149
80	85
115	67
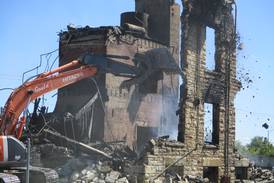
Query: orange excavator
13	151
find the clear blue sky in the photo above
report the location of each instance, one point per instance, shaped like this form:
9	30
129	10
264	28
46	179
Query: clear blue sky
29	28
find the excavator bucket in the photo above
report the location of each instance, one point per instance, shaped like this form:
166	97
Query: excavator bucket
157	60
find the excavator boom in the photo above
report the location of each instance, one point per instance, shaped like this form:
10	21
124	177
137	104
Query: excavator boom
88	65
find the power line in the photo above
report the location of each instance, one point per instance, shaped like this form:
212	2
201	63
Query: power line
1	89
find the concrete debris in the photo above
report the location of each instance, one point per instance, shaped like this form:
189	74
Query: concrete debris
122	180
175	178
196	179
112	176
74	171
240	46
261	175
258	175
74	165
47	154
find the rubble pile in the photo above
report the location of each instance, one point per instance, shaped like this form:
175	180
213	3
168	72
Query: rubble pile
47	154
74	166
86	170
175	178
261	175
196	179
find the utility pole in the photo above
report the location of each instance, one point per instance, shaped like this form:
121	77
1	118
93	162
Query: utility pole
28	161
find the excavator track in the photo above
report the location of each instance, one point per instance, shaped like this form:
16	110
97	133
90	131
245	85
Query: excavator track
43	175
8	178
39	175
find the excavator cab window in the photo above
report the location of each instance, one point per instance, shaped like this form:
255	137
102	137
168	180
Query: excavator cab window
17	150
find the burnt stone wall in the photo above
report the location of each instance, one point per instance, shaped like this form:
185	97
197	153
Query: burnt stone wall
217	87
200	85
72	98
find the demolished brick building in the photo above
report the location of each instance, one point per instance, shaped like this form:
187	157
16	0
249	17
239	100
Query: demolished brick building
143	112
133	115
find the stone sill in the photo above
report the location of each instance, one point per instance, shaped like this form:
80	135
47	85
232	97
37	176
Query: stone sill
210	146
175	144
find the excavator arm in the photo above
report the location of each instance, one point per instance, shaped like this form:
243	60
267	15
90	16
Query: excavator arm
44	83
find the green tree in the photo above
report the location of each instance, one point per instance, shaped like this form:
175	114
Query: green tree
260	146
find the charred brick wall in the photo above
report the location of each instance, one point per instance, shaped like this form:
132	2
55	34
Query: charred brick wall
72	98
121	112
144	111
